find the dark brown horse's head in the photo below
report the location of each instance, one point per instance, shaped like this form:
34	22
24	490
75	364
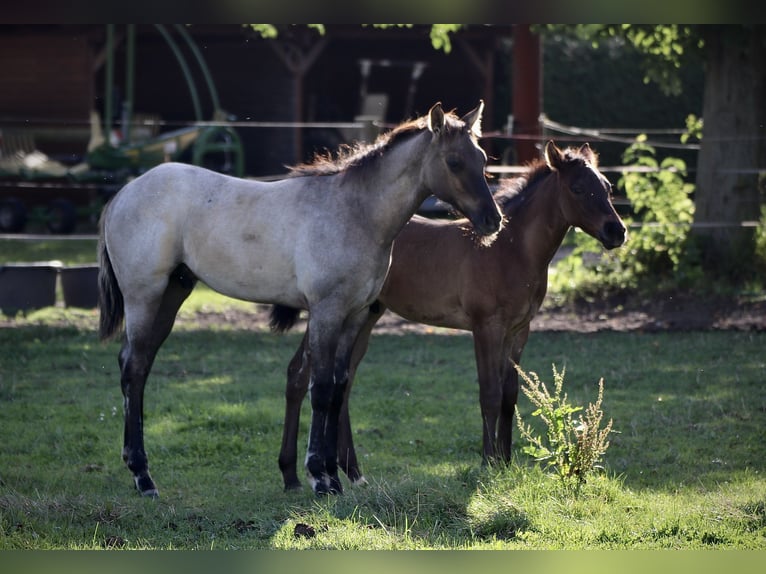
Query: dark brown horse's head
586	201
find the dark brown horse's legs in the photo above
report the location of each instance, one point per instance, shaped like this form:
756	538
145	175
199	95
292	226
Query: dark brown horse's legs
507	409
295	391
486	340
510	381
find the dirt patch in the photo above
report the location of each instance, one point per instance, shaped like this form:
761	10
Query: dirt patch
671	313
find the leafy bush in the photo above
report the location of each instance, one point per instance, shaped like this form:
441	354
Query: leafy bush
760	244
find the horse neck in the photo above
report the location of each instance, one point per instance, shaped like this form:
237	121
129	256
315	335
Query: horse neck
536	224
393	187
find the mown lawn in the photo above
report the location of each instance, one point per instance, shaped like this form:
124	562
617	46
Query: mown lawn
685	470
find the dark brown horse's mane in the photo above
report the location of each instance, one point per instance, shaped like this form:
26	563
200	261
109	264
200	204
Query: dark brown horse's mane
510	190
361	154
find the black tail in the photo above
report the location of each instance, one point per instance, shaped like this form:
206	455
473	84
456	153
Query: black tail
110	301
283	318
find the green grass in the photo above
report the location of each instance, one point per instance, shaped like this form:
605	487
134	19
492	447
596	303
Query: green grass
685	471
68	251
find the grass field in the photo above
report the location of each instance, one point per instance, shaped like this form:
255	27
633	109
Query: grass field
685	471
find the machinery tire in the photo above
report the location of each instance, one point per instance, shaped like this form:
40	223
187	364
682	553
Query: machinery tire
13	215
61	216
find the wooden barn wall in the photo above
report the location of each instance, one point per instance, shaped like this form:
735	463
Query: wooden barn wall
46	88
45	77
57	73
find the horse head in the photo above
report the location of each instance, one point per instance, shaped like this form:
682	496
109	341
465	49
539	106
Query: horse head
454	167
585	194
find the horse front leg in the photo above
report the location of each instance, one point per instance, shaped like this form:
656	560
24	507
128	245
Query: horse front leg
327	389
488	344
321	463
346	451
510	395
298	374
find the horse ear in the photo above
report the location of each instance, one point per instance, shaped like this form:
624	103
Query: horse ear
589	154
473	119
436	118
552	155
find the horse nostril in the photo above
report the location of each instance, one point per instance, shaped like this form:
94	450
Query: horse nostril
492	221
615	231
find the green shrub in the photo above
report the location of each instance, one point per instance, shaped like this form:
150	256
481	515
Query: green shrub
661	202
571	447
760	243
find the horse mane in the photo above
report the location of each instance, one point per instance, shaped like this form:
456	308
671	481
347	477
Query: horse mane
361	154
512	190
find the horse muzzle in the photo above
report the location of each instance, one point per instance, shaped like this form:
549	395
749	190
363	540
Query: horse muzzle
613	234
488	222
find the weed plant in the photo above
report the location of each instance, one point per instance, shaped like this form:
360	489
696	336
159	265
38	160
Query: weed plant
570	447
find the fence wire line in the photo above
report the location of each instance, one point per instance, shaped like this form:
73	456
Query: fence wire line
599	134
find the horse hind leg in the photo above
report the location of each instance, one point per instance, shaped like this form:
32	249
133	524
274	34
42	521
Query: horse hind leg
295	391
147	327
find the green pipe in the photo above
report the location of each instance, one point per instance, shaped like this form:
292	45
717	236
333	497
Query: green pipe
201	61
184	69
108	89
127	105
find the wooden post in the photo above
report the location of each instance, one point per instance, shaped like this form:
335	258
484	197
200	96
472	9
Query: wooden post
527	92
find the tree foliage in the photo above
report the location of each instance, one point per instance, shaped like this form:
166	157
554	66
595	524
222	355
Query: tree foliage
665	46
439	33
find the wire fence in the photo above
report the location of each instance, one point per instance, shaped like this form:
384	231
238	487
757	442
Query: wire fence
625	136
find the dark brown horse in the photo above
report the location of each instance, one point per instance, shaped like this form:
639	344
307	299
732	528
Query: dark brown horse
441	276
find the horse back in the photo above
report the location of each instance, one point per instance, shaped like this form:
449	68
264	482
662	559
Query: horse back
430	274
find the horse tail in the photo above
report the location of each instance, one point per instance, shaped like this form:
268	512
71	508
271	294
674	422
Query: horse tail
110	301
282	318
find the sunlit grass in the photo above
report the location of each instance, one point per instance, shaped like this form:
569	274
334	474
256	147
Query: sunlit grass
683	472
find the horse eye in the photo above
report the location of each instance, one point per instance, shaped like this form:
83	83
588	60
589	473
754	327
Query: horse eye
454	163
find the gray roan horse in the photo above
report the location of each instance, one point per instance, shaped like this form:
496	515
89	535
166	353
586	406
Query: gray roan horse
318	240
440	276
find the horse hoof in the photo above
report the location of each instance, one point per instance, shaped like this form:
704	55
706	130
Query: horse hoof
146	487
326	486
335	486
321	489
293	486
360	482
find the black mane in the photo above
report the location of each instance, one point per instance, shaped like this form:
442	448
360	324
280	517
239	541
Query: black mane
361	154
511	191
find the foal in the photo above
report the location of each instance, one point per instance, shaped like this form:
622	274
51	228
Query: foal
440	276
319	240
